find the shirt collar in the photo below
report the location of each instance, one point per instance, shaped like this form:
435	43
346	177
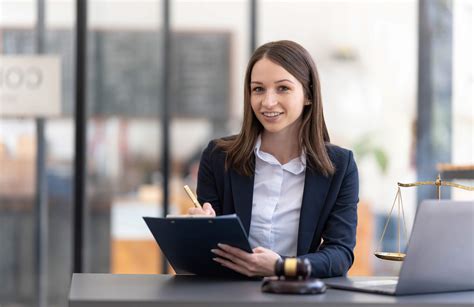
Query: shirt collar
295	166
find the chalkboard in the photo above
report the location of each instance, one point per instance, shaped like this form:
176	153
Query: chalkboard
125	71
200	74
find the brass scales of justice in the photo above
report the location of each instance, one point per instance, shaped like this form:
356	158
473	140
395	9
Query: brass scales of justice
399	256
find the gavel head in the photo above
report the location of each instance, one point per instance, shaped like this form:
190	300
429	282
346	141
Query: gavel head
293	268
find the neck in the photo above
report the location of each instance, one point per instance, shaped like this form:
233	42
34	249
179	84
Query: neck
284	145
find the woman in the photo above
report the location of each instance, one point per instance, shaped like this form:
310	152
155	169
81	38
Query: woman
295	193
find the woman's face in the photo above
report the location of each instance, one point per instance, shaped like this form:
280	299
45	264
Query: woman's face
277	98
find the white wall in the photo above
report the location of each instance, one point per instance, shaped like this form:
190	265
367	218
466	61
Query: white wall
463	88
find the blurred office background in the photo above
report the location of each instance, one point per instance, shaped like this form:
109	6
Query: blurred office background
369	63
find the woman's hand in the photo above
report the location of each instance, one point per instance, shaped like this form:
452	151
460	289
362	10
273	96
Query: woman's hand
206	210
259	263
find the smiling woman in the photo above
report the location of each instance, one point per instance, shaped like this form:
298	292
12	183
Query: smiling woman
295	193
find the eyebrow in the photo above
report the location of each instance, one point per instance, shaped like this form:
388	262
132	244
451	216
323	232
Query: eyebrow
282	80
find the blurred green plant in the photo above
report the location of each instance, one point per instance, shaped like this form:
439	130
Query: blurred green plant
365	147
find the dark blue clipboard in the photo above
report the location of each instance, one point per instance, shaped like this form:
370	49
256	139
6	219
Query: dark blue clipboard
187	242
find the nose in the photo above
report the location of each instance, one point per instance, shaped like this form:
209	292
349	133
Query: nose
269	100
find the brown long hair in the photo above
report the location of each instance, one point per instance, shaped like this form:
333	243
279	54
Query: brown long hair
313	134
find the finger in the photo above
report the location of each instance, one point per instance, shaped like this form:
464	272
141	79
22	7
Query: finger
235	251
230	257
233	266
196	211
259	250
207	207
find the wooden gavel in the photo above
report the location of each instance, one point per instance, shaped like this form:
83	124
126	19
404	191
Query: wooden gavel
293	268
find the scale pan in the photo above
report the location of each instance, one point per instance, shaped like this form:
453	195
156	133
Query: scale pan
390	256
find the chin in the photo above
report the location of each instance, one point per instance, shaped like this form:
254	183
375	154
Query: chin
272	129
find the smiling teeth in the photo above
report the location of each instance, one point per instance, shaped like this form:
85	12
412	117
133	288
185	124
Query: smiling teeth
271	114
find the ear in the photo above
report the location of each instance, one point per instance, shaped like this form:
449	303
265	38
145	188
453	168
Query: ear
307	102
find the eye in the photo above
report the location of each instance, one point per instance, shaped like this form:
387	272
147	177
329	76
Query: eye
283	88
257	89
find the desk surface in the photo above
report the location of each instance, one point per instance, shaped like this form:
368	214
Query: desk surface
94	290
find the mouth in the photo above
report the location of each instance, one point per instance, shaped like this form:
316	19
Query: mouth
271	114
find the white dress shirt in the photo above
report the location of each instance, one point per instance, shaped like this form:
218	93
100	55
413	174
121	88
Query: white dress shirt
277	196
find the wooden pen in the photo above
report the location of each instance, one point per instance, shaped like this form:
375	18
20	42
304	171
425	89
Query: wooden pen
192	196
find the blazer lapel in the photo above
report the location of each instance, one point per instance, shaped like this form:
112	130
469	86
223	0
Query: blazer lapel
242	194
314	195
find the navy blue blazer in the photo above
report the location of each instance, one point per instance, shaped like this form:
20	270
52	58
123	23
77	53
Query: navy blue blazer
328	217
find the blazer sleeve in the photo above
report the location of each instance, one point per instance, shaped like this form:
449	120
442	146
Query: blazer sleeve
206	183
335	255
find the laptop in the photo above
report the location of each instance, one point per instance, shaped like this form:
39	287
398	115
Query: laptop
439	255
